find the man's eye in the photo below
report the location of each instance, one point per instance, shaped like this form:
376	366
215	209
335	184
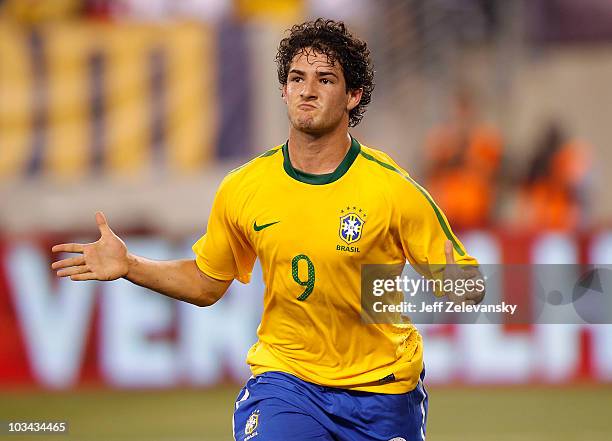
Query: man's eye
325	81
296	79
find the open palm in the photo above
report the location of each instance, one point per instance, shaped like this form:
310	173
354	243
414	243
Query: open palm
104	259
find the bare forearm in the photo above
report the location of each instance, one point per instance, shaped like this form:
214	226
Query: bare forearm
108	259
179	279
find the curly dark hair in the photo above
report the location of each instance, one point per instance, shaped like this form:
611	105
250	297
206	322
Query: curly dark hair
333	39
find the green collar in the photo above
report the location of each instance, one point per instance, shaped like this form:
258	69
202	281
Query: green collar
327	178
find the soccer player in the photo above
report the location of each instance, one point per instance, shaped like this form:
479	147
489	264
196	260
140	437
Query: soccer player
313	210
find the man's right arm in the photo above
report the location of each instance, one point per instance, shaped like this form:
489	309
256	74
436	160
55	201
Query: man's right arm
179	279
108	259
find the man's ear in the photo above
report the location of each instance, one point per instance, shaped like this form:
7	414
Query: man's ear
354	96
284	93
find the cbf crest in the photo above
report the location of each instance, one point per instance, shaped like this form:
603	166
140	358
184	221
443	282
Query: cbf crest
351	224
251	423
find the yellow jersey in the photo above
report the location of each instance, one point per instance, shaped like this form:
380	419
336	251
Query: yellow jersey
311	234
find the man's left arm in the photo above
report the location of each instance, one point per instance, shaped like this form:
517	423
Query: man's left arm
433	249
472	293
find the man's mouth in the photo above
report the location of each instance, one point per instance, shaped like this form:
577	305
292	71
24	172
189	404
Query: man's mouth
306	107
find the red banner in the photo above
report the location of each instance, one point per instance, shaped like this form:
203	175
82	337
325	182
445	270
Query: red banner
61	334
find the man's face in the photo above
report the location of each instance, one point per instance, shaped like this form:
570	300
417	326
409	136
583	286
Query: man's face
315	94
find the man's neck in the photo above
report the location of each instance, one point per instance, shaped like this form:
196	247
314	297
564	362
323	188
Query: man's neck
317	154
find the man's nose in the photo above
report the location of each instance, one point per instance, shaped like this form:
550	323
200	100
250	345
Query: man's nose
309	91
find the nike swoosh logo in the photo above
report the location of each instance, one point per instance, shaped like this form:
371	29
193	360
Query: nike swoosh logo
261	227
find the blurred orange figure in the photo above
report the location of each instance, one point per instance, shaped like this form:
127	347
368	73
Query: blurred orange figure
464	158
554	194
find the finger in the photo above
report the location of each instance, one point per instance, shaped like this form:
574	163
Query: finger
102	223
471	272
448	251
84	276
68	248
475	296
73	270
73	261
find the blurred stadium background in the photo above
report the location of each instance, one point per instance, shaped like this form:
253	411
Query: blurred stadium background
139	107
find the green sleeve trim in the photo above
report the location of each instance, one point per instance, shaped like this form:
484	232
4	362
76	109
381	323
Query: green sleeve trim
263	155
270	152
443	223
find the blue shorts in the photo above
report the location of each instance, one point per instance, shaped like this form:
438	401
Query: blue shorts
276	406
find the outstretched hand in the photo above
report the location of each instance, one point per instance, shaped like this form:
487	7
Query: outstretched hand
104	259
458	273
